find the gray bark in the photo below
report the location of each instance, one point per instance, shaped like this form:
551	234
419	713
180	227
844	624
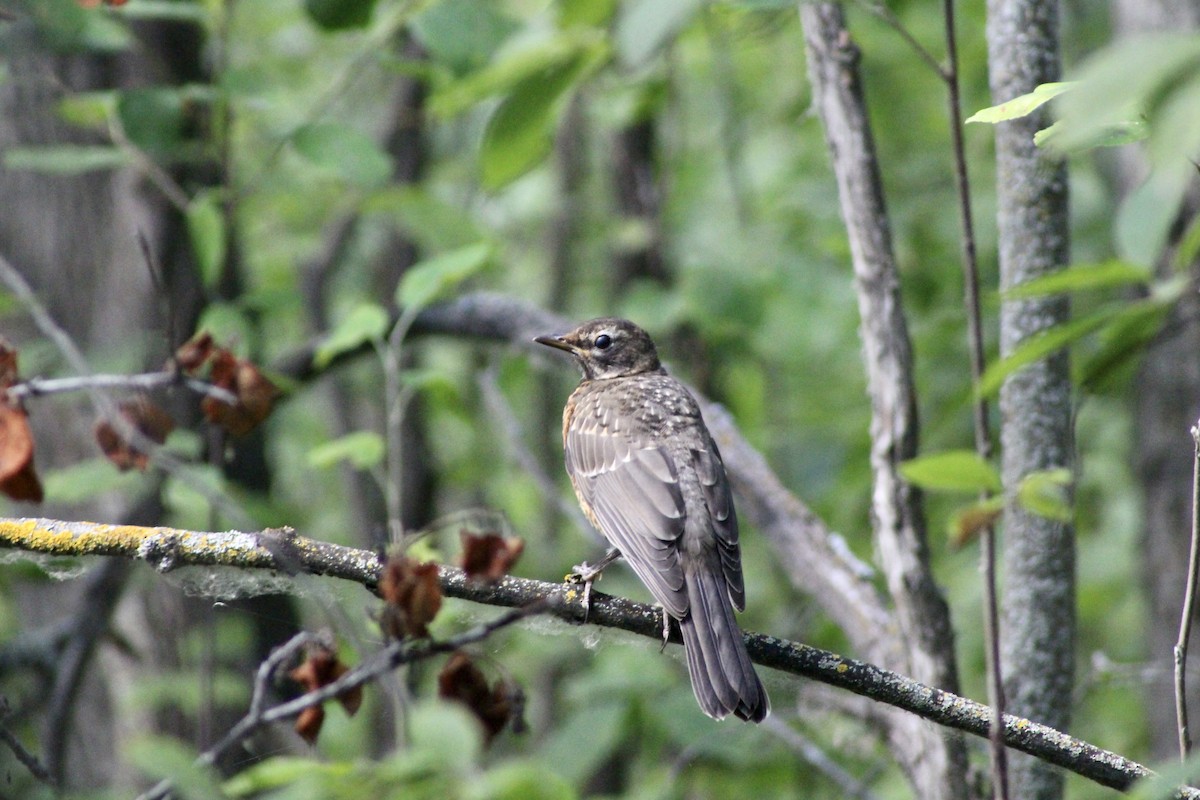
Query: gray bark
1038	628
936	766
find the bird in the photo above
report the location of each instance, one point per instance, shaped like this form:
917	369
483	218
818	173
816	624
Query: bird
650	478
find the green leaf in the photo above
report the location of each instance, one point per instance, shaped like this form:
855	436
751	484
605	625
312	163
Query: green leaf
431	222
463	34
282	771
1045	493
350	154
1125	337
512	70
969	521
589	13
367	322
363	449
518	134
1080	277
1115	134
338	15
67	27
1021	106
519	780
206	226
85	480
153	118
161	757
167	11
1129	81
66	159
426	281
646	26
1040	346
88	109
1167	778
447	732
952	471
1146	215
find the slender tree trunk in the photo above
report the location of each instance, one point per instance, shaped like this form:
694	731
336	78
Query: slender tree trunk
936	766
1038	629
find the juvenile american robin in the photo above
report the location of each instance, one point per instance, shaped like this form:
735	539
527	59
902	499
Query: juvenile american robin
650	478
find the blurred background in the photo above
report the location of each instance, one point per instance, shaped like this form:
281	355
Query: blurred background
288	162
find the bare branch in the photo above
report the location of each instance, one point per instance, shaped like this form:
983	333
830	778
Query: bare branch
143	382
389	658
27	759
979	406
1189	600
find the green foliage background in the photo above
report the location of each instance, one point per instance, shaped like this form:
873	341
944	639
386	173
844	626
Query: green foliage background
761	279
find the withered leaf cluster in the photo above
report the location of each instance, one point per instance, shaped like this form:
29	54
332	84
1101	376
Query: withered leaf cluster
321	668
493	705
255	393
138	422
412	597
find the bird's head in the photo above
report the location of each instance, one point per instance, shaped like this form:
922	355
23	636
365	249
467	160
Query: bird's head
607	348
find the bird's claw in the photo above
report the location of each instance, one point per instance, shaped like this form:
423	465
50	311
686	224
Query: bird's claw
585	574
666	631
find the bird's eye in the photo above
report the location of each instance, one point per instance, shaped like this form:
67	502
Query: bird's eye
603	341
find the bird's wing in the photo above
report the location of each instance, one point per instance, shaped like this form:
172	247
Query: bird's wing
634	498
719	498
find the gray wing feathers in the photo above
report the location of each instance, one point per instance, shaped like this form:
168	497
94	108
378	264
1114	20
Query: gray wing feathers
719	498
635	496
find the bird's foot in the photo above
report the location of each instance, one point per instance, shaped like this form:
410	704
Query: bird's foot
666	631
587	574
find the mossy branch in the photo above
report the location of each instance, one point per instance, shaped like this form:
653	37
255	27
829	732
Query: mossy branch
282	550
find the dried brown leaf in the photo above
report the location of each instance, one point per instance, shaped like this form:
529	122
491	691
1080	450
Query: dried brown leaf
195	352
146	418
308	723
255	394
18	478
460	680
412	594
489	557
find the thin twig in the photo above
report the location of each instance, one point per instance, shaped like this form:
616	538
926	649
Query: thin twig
104	406
983	438
27	759
142	382
882	12
384	661
159	177
1189	599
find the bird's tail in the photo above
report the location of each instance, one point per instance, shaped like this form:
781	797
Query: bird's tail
723	678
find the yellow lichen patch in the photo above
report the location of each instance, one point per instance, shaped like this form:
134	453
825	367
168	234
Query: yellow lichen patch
36	536
842	667
112	539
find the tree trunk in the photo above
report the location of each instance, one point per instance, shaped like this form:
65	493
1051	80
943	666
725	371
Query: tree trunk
1038	629
935	765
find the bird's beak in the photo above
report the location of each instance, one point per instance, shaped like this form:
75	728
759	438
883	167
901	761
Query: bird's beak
557	342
